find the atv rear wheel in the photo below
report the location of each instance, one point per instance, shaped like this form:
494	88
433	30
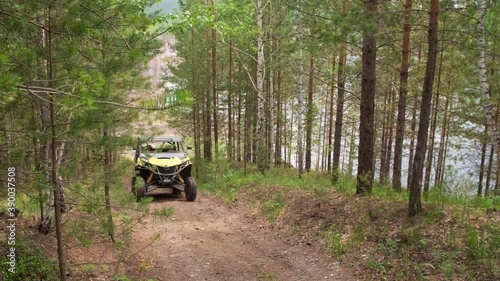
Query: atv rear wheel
190	189
138	187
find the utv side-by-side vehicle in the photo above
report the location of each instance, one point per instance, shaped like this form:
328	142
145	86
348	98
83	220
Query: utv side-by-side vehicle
162	162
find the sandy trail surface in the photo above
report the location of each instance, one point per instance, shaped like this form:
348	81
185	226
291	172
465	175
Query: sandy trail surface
209	240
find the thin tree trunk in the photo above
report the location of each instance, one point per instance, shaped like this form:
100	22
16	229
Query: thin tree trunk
330	119
279	116
54	168
414	203
37	155
207	138
385	131
490	162
339	115
246	132
260	76
483	160
238	142
413	129
430	148
196	108
326	149
367	106
309	117
352	148
300	102
440	162
107	174
403	92
214	84
390	137
230	129
430	152
488	173
446	142
272	105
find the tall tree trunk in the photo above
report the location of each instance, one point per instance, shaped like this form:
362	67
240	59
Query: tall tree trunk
259	137
271	105
330	119
490	163
483	82
430	148
238	141
483	160
207	138
403	92
246	131
367	107
230	133
446	142
489	172
300	102
215	100
390	137
339	115
279	127
385	133
309	116
430	152
414	204
207	112
56	182
352	148
327	132
197	121
107	173
413	126
444	132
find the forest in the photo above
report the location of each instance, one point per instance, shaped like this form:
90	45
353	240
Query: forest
387	109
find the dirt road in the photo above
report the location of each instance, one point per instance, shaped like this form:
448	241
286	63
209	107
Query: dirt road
207	240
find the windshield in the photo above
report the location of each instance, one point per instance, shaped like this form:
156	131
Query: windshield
163	146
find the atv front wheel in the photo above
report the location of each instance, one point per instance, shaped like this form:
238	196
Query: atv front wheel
190	189
138	187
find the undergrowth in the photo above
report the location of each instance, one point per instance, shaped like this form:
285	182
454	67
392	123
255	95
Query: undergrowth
456	237
30	262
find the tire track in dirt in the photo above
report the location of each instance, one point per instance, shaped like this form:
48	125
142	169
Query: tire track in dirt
208	240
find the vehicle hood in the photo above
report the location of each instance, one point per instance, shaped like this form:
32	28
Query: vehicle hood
166	159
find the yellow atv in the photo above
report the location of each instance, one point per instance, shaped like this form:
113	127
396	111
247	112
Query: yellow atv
162	162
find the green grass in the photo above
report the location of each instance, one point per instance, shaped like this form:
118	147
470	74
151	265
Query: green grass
447	237
334	242
271	208
223	179
264	276
31	264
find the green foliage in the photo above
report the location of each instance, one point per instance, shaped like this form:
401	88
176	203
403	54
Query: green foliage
88	268
121	278
31	263
163	213
272	207
483	244
334	241
264	276
358	236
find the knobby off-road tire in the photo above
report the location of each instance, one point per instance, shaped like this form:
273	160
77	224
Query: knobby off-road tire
190	189
138	187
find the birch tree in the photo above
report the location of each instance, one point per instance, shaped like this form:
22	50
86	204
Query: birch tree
483	82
